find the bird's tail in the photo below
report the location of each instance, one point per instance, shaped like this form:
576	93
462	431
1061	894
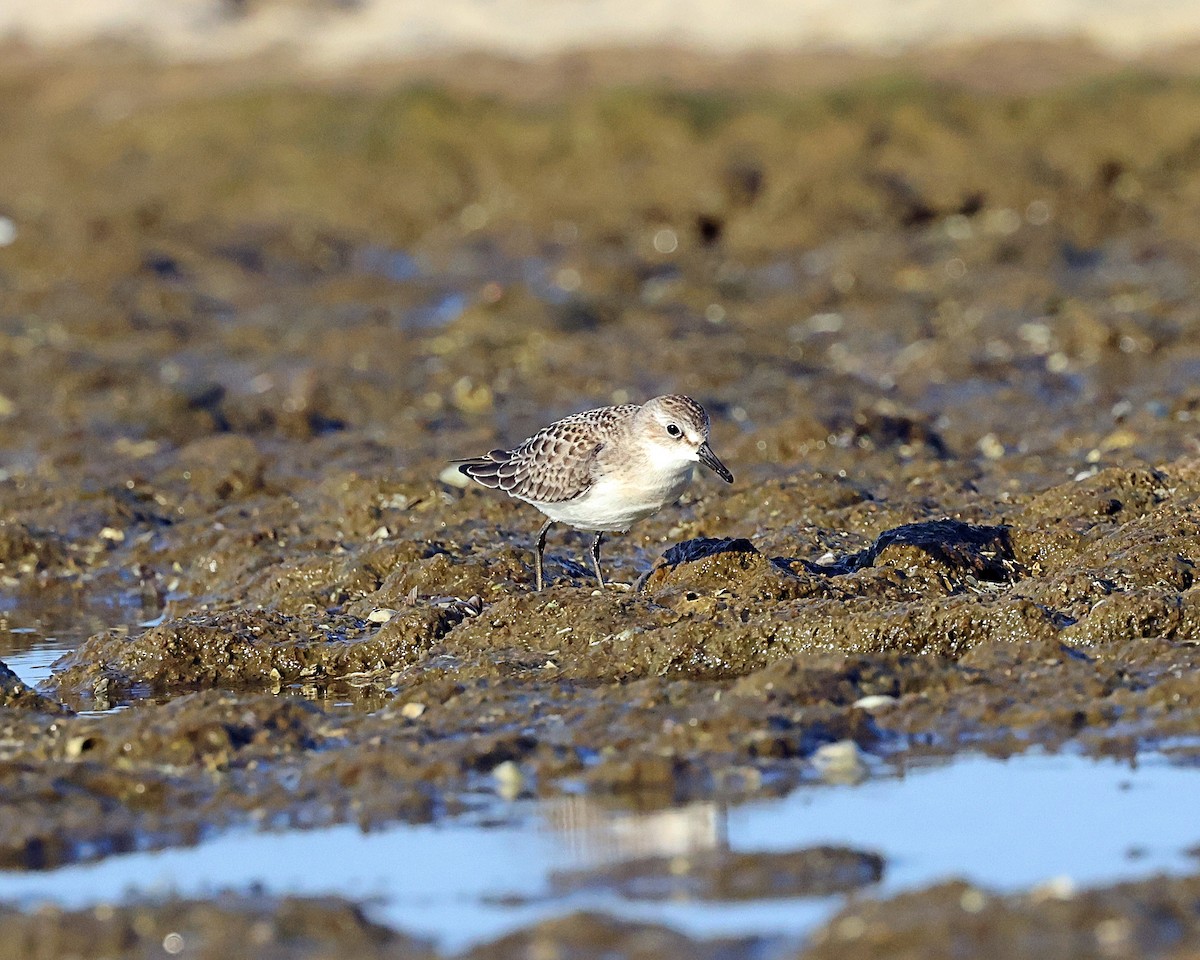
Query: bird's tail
487	469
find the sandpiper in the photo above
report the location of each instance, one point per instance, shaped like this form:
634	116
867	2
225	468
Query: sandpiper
603	469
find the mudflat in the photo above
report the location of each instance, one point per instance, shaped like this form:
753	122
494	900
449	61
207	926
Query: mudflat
950	341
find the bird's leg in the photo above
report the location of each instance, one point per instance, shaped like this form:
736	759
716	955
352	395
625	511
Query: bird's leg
596	558
537	557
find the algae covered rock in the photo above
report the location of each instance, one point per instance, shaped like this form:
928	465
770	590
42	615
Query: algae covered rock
248	649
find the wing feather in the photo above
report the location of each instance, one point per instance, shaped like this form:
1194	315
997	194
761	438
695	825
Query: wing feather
557	463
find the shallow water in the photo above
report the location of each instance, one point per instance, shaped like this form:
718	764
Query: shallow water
1005	825
33	664
36	630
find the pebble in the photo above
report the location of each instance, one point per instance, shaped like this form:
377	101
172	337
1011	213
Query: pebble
1056	888
972	900
509	779
991	447
840	762
874	701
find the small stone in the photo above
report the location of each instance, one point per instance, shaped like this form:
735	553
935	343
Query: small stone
262	933
509	779
874	701
990	446
412	710
471	397
382	615
840	762
135	449
1114	934
382	533
1056	888
112	534
1119	439
972	900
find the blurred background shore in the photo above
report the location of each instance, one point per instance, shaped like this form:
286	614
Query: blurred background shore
1018	45
353	31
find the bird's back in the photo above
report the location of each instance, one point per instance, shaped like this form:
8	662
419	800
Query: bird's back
558	463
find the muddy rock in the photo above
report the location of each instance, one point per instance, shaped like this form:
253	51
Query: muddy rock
207	929
24	551
221	467
1154	918
836	679
815	872
1107	497
962	553
946	626
587	936
147	779
16	695
710	566
249	650
1147	614
558	633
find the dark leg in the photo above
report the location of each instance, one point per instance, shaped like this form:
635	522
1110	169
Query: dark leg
596	558
537	557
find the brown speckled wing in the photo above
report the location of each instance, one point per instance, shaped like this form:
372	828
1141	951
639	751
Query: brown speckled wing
557	463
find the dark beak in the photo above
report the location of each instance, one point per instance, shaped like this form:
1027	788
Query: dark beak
709	459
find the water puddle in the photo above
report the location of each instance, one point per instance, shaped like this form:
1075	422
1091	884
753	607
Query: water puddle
1005	825
29	653
34	633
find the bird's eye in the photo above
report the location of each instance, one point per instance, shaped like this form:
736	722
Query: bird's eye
673	430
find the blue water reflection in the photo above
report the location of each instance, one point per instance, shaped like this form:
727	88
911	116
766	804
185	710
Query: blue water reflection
1005	825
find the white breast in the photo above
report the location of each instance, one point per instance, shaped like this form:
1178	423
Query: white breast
612	503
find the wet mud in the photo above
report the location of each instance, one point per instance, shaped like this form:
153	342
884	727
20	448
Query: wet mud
1149	919
816	872
949	341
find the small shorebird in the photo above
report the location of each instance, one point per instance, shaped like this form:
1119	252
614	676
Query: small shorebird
603	469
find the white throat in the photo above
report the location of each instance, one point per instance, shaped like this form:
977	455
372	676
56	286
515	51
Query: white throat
669	461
